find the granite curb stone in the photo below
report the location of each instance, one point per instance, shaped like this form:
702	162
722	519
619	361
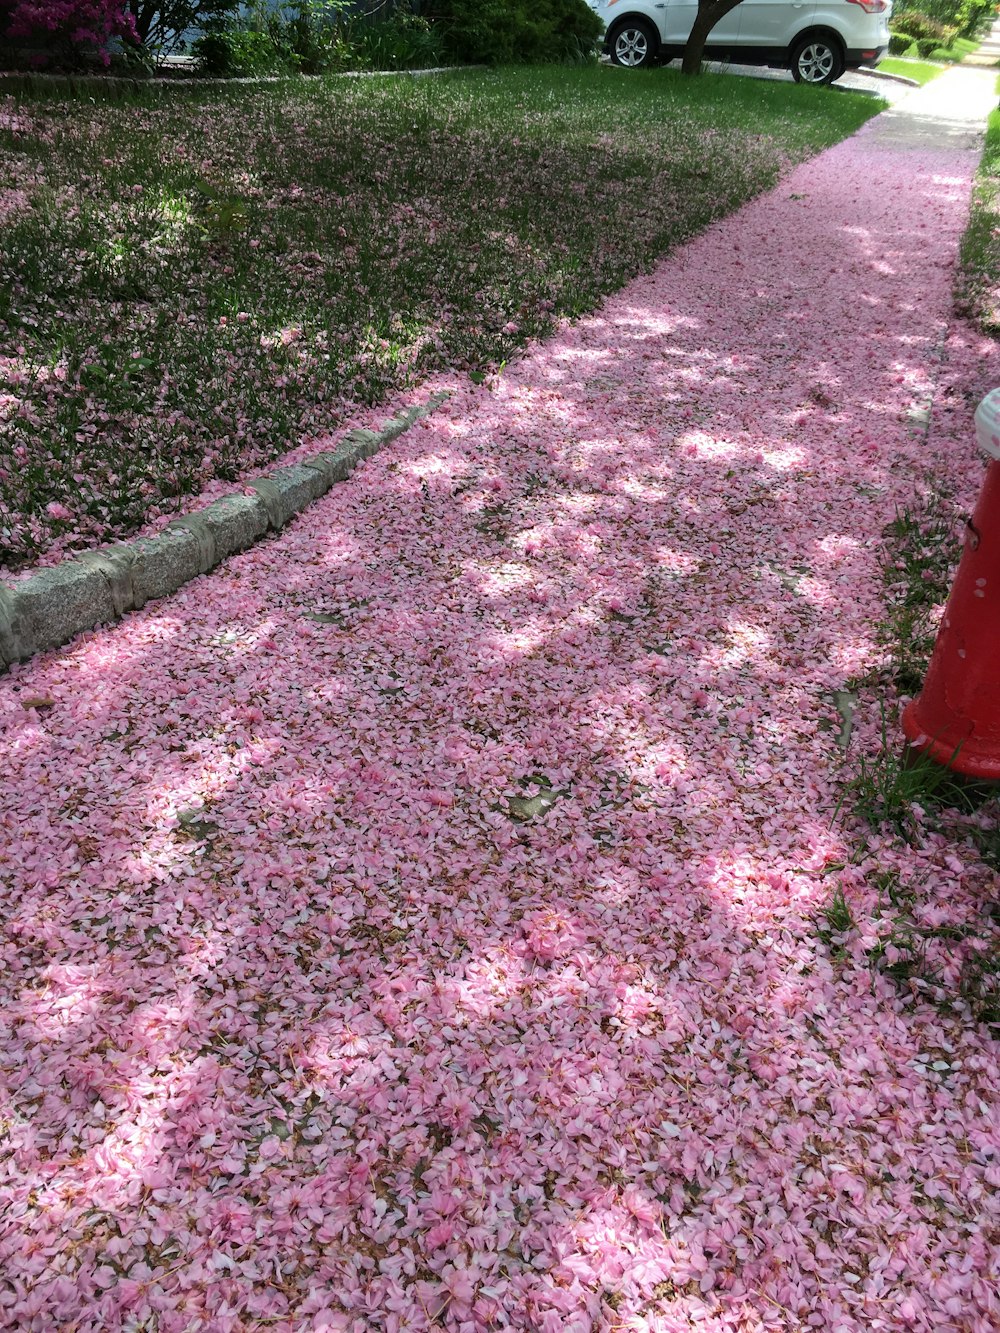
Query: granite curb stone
53	605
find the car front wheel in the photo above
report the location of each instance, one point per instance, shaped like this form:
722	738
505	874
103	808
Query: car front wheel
817	60
634	45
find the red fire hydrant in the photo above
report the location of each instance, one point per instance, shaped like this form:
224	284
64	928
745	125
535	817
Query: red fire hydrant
956	717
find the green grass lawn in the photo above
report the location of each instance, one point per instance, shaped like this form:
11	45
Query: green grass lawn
921	71
978	282
956	53
191	282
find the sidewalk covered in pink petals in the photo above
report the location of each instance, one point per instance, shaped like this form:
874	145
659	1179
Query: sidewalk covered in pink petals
413	925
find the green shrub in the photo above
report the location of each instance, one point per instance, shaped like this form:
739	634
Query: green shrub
943	19
926	46
558	30
306	36
316	36
312	36
234	52
949	18
474	34
917	25
898	43
403	41
495	32
942	12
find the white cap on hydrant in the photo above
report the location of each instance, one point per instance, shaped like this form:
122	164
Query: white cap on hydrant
988	424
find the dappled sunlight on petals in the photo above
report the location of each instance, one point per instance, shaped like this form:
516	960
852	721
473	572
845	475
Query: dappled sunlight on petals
422	922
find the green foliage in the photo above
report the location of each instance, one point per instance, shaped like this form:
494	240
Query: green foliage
888	785
159	24
981	984
306	37
965	18
477	33
944	21
233	52
499	32
315	33
837	922
956	51
920	27
314	36
952	54
977	288
972	17
404	40
898	43
920	552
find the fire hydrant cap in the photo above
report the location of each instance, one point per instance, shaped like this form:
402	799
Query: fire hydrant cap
988	424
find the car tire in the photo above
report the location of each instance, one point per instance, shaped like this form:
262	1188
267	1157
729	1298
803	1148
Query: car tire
817	59
633	44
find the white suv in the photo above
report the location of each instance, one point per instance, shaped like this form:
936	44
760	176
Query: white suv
816	39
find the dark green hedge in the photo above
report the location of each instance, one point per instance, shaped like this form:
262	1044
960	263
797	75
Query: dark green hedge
492	32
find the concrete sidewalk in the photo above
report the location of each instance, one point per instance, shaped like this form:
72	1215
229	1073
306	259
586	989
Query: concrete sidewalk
420	922
950	112
987	55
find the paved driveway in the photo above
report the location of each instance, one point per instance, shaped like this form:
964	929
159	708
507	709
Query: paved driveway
859	81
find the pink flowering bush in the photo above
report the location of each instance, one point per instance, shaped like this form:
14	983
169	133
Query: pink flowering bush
76	30
422	923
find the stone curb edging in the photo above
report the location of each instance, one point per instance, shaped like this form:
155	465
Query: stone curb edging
51	606
887	77
215	81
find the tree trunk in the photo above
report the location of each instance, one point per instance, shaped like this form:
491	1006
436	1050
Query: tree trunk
709	13
143	16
